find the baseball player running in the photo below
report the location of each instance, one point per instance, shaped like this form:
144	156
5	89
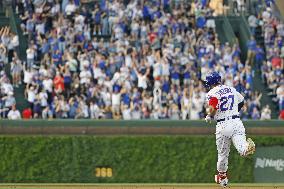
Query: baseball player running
224	104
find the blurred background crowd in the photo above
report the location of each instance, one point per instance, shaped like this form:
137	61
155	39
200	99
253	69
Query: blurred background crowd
133	59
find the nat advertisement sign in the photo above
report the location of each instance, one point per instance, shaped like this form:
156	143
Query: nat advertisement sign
269	164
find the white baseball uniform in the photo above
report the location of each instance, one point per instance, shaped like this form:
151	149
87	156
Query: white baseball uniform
229	126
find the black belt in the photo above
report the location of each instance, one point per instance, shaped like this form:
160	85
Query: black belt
233	117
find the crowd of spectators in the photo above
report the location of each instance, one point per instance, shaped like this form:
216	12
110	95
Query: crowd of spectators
270	59
126	60
8	43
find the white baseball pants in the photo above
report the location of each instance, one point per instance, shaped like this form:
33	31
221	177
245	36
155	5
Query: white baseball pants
229	131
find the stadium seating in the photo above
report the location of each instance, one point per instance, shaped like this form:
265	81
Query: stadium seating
132	61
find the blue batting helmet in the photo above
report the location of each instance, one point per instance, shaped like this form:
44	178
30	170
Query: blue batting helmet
212	78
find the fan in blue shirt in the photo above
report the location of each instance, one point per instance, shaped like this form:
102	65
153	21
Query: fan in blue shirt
200	22
57	58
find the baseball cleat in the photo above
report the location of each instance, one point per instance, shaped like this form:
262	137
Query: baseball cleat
251	147
222	179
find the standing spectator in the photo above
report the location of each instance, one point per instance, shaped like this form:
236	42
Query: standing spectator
136	112
259	56
244	112
255	114
265	113
251	45
9	100
174	113
115	99
70	9
126	112
57	59
280	95
58	83
185	103
5	39
97	19
3	58
73	105
197	106
239	6
28	74
43	97
47	85
30	56
95	111
46	113
16	71
85	76
105	24
253	23
142	78
30	93
175	75
14	113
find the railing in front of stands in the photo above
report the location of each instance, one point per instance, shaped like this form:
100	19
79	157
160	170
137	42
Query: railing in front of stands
130	123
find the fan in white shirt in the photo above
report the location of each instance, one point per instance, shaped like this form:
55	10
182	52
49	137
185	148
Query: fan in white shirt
165	68
116	76
142	78
43	98
6	87
115	100
14	114
79	20
128	60
47	84
136	112
157	67
28	76
30	53
107	83
266	15
97	71
95	111
126	112
55	9
85	76
70	8
197	105
31	93
15	41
